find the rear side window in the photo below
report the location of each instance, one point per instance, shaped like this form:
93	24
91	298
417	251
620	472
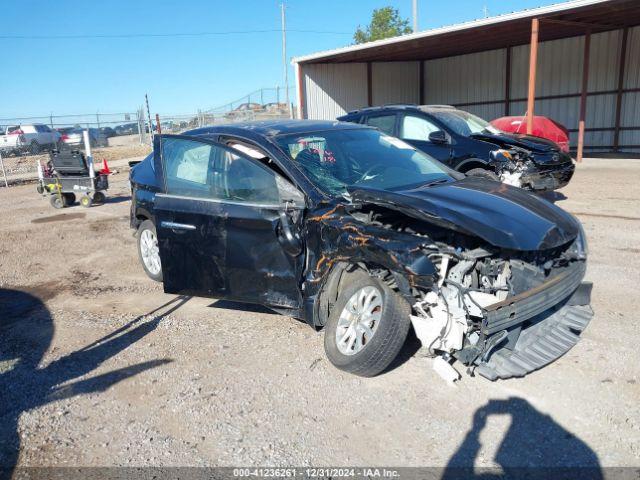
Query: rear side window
186	167
385	123
202	170
416	128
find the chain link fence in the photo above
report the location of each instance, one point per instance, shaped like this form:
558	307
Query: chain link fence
26	141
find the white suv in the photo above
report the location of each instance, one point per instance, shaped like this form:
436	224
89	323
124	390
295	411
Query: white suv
31	138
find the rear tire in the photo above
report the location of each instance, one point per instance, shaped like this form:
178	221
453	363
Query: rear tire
388	336
57	201
34	148
481	172
148	253
99	197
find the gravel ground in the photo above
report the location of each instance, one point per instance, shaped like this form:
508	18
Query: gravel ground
92	376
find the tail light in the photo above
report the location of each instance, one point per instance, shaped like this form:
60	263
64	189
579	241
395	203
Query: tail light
64	137
17	132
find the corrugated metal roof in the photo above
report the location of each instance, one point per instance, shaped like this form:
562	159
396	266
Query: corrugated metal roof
488	33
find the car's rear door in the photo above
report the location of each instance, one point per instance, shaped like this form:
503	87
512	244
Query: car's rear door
385	122
226	227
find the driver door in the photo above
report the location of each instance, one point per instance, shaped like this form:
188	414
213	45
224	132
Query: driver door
416	129
227	225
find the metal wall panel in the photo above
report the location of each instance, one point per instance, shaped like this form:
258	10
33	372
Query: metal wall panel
332	90
604	55
488	111
630	115
395	82
469	78
559	68
632	72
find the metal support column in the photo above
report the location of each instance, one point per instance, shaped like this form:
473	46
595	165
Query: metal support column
421	95
4	173
583	94
533	60
621	73
369	85
507	82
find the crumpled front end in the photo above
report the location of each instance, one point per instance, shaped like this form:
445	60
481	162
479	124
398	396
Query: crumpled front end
504	314
538	172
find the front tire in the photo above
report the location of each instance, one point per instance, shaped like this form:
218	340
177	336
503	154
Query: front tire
367	326
481	172
148	251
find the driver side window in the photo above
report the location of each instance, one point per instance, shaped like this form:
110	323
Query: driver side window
416	128
202	170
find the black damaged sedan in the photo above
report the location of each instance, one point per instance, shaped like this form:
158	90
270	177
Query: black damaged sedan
360	234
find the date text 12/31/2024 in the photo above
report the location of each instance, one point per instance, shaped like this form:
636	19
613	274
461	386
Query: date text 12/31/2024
315	472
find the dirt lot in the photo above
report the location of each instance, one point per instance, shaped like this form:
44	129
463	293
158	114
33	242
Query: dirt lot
94	378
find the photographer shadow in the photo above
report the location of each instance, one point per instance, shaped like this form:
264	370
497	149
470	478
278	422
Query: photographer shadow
26	332
535	446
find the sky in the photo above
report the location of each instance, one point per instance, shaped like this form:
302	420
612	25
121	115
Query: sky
181	74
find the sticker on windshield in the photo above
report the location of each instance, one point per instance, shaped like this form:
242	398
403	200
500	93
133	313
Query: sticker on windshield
396	142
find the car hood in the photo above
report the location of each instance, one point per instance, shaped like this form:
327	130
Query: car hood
504	216
529	142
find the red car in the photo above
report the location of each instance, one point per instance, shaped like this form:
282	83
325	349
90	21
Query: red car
542	127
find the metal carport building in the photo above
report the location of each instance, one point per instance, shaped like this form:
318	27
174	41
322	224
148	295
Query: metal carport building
577	62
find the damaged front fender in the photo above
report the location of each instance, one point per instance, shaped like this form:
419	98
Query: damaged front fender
335	237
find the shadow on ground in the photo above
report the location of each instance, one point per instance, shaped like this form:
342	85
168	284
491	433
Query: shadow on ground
241	307
553	196
535	446
26	331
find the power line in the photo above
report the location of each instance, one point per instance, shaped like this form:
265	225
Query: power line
157	35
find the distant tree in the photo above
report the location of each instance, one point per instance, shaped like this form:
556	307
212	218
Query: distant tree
385	23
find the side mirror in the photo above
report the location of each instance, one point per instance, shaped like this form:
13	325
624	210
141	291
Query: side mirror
438	137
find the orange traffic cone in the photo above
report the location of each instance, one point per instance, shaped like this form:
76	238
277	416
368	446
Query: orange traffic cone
105	167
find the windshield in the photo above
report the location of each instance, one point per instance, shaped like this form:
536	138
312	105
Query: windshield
336	159
464	123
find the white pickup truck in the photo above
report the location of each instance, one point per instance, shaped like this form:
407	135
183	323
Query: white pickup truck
30	138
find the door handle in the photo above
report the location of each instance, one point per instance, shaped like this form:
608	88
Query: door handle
177	226
288	239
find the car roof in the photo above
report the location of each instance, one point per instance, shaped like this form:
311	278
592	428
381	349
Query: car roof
271	128
401	106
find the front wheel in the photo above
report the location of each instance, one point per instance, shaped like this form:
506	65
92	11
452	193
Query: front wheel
148	251
99	197
367	326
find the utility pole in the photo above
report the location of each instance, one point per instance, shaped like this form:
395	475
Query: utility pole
284	55
415	16
146	99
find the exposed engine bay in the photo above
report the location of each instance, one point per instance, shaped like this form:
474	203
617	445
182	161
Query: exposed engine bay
485	299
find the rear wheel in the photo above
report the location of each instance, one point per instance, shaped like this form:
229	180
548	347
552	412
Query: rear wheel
148	251
99	197
57	201
367	326
481	172
34	147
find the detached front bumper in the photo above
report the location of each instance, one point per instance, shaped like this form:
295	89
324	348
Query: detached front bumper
528	331
549	177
